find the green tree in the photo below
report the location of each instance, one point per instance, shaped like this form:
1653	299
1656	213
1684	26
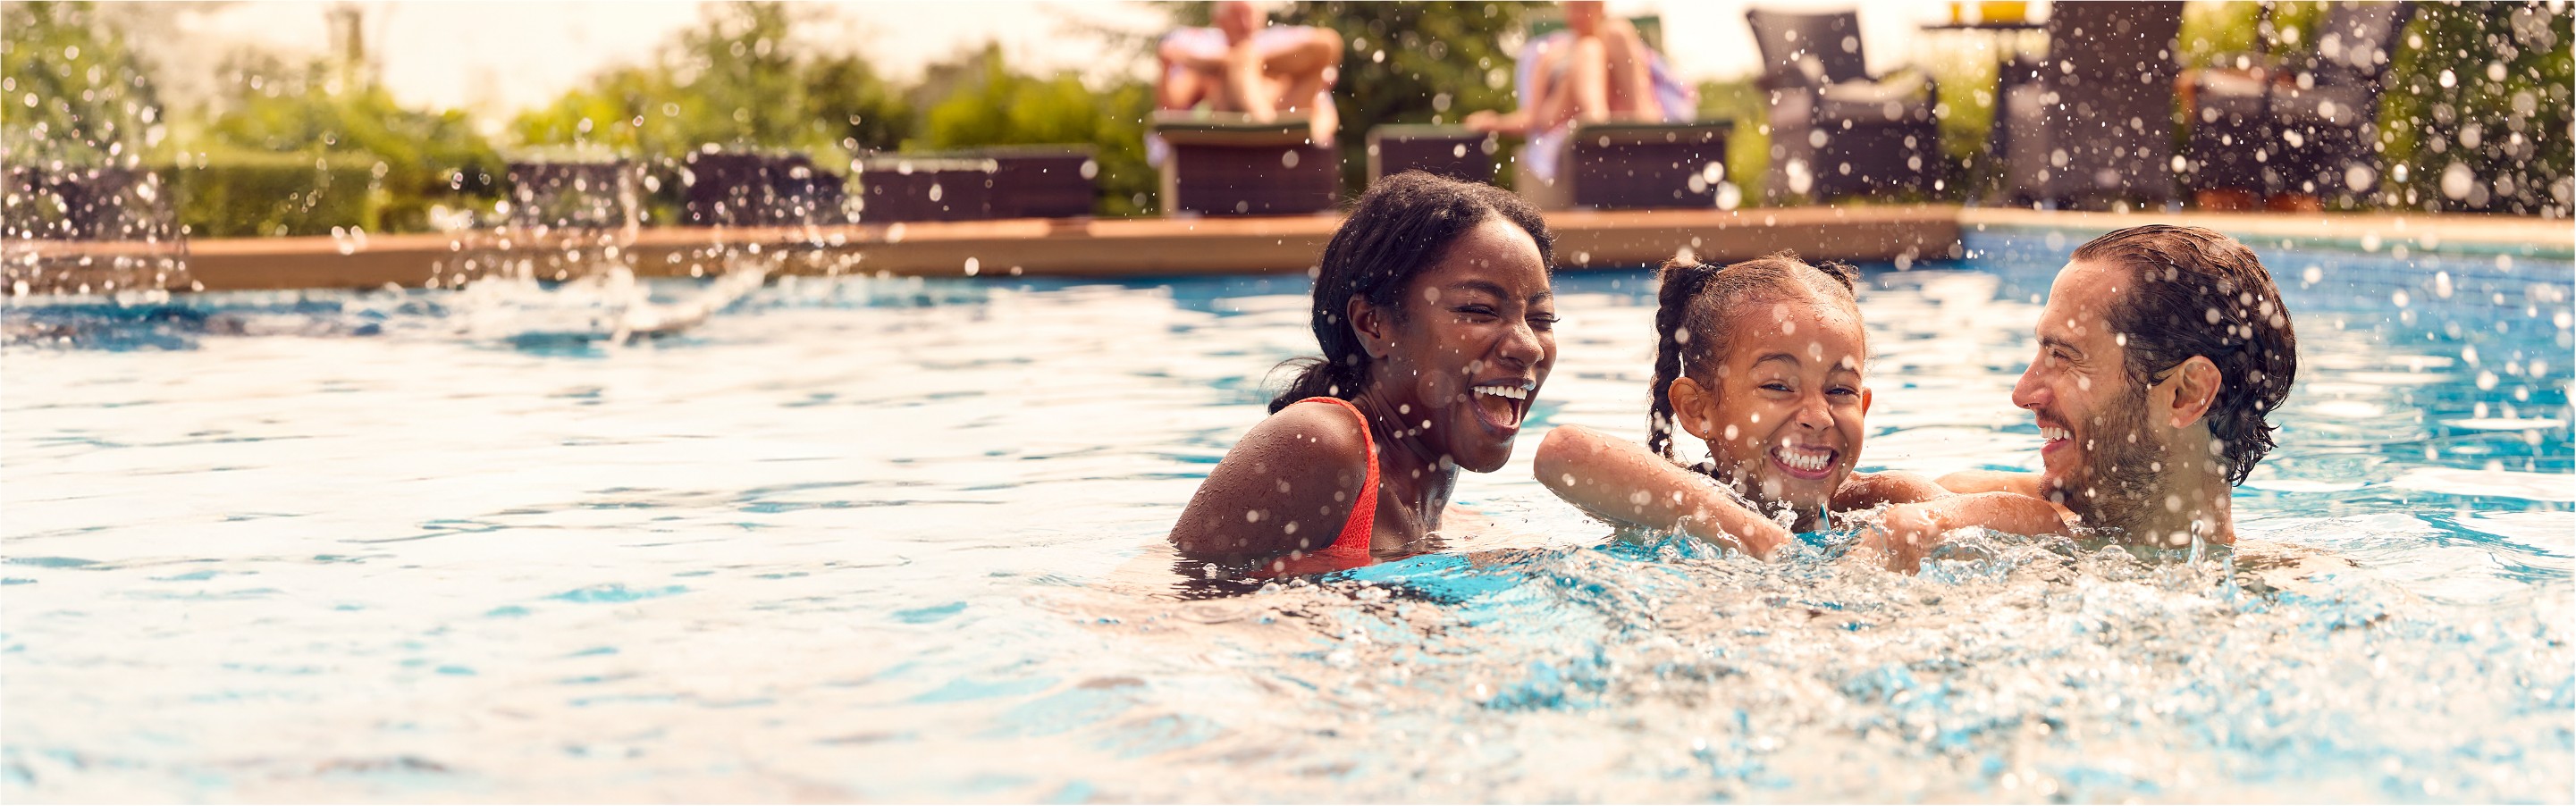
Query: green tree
738	81
74	90
987	105
2477	114
421	158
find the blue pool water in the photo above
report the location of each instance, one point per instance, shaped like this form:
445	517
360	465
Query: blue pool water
899	539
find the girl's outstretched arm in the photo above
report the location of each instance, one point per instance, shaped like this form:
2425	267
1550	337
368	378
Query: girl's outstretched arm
1621	480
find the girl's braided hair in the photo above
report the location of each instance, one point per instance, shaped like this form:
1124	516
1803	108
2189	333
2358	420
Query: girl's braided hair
1697	303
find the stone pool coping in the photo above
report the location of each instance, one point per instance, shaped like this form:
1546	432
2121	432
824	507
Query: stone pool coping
1086	247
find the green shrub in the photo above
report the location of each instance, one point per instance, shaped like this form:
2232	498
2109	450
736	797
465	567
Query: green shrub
2477	113
992	105
224	194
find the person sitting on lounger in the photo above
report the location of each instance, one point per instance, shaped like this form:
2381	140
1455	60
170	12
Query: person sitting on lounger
1598	69
1246	65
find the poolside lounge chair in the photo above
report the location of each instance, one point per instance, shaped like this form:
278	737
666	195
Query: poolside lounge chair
747	189
1039	181
2308	128
1228	164
2093	123
591	194
1616	166
1042	181
926	187
1836	129
124	220
1456	152
49	201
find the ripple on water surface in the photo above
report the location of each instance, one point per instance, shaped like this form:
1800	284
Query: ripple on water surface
897	540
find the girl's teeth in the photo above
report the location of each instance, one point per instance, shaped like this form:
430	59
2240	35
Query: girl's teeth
1804	461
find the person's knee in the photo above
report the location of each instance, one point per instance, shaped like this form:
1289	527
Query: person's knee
1590	49
1327	42
1318	50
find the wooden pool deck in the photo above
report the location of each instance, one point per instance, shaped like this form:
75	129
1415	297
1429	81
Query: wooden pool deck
1162	247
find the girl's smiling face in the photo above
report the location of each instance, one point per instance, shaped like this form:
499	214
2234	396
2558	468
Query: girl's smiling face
1782	410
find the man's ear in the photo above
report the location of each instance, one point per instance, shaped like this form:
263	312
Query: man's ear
1370	323
1864	401
1691	405
2194	386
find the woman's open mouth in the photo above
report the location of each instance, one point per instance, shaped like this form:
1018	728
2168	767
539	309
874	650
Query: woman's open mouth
1804	462
1500	406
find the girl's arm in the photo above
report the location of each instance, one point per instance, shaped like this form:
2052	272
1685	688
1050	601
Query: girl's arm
1621	480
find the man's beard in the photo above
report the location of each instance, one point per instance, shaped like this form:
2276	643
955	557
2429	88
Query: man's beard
2122	476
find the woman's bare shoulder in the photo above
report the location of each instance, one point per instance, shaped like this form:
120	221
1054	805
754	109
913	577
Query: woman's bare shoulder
1286	484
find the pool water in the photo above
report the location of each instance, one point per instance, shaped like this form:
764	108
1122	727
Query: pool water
900	539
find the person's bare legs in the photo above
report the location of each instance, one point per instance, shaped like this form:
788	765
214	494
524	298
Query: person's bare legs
1587	79
1180	87
1296	74
1240	87
1631	80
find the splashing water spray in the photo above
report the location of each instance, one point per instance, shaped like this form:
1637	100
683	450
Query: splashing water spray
560	261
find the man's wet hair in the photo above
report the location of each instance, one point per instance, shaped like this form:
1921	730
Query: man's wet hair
1696	302
1404	224
2198	292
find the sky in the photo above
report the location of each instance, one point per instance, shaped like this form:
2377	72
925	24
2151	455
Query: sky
496	58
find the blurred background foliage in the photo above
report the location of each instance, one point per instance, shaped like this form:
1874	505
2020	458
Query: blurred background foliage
2478	108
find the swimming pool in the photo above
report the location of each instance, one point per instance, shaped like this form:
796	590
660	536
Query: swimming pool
899	539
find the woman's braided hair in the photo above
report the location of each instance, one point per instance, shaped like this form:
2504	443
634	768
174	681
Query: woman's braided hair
1697	302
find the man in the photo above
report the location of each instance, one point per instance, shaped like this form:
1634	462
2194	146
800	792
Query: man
1246	65
2161	351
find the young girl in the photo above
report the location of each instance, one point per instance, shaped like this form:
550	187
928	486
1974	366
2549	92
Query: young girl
1762	360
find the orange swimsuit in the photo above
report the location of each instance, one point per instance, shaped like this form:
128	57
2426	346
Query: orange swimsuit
1350	549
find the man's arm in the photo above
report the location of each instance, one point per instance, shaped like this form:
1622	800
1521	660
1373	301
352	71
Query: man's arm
1622	481
1865	490
1913	530
1992	481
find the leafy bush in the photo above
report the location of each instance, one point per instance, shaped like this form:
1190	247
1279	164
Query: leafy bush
2477	114
992	106
231	193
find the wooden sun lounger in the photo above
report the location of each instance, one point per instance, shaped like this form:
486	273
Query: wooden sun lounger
1041	181
1636	165
1228	164
1456	152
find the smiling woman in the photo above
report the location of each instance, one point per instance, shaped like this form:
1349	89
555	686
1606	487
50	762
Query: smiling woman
1435	314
